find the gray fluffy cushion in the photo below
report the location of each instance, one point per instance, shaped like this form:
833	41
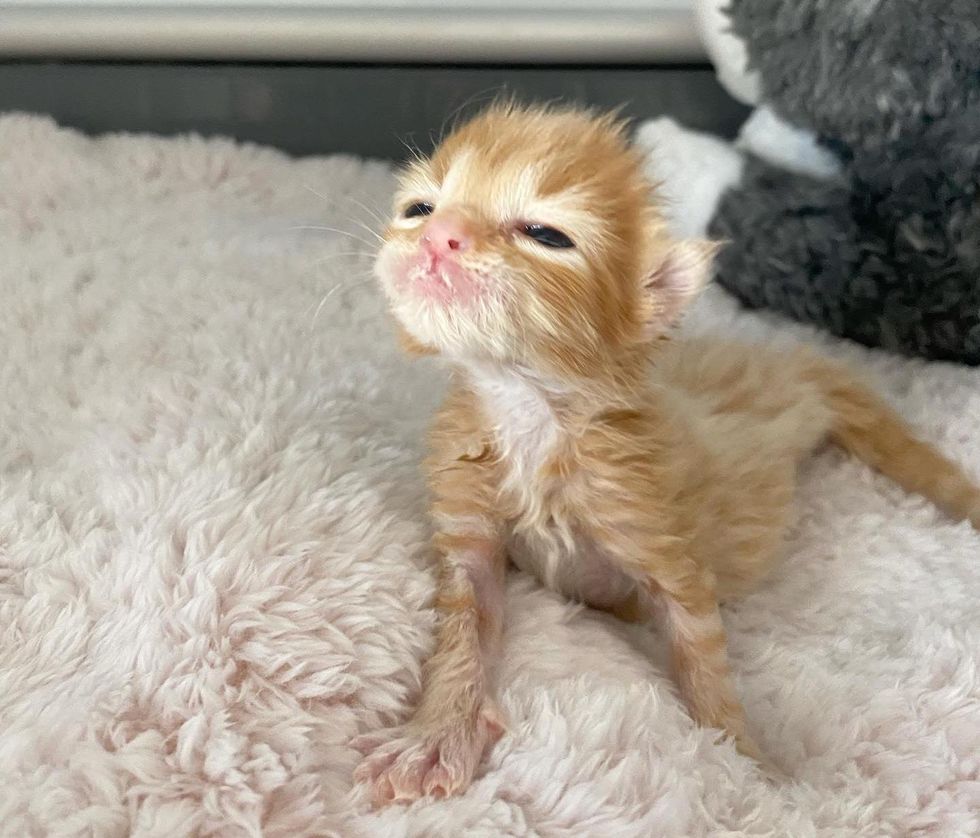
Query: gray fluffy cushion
888	255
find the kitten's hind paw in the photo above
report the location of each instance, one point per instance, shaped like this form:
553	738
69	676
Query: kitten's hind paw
772	772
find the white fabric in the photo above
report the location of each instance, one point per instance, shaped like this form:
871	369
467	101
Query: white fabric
693	170
213	568
764	133
726	50
767	135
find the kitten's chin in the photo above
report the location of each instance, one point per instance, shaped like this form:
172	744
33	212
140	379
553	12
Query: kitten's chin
449	331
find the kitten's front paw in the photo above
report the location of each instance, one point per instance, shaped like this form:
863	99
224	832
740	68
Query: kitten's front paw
436	759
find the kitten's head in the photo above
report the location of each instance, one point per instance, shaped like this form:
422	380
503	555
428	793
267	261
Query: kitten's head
531	237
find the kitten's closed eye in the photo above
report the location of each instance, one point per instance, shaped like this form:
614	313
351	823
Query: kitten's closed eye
419	208
548	236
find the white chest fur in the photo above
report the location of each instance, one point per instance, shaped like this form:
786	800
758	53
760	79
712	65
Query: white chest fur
528	433
525	426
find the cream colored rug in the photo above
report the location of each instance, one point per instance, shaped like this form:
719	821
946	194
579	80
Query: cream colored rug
213	569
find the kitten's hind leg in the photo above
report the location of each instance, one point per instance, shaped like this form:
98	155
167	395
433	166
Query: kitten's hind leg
695	632
868	428
699	652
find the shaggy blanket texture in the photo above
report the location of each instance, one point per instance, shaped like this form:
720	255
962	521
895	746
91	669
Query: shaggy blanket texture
213	562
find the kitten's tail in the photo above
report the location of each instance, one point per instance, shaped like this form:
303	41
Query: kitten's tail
866	427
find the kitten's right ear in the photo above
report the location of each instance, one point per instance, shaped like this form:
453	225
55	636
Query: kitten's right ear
679	276
410	345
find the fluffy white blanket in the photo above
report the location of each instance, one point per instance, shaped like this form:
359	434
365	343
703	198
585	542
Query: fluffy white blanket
213	564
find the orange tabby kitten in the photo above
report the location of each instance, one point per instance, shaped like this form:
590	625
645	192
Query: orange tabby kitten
621	469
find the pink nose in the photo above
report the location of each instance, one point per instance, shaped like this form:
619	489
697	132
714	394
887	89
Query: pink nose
446	233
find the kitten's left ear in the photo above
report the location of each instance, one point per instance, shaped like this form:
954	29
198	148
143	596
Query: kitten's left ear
683	270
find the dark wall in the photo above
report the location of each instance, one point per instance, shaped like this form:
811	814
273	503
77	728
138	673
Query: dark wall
315	109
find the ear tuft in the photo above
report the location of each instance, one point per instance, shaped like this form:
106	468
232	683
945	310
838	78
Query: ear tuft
675	282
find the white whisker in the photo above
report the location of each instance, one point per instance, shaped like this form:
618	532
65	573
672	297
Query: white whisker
319	308
344	284
375	213
368	230
324	229
344	254
319	195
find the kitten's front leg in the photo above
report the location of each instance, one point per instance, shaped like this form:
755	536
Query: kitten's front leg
437	752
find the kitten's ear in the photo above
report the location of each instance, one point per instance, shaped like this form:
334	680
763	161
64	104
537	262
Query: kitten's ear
673	284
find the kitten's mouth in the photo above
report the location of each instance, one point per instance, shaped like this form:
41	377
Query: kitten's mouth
438	279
